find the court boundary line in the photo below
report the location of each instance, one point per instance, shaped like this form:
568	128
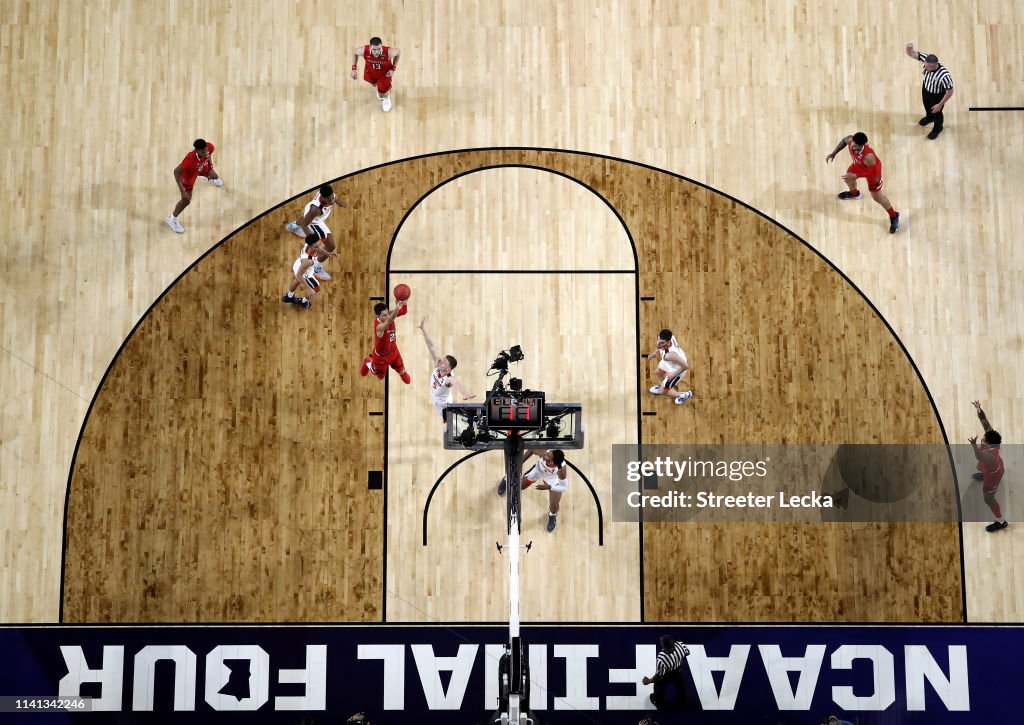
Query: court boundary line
532	150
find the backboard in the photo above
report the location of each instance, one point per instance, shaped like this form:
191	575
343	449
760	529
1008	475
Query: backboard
465	428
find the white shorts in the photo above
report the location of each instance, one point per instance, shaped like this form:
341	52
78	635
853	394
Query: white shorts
440	405
670	370
557	484
309	276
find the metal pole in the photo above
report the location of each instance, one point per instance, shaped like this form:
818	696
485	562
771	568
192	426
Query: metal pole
514	447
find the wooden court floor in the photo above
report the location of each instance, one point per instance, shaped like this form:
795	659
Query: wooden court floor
222	473
272	476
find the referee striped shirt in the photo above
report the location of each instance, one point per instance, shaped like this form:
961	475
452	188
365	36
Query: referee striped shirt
670	661
935	81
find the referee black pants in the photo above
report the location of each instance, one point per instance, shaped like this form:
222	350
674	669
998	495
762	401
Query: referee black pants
930	99
675	677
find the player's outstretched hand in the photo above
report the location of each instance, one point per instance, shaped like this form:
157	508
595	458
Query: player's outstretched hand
829	158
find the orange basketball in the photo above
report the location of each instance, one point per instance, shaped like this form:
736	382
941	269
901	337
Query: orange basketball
402	292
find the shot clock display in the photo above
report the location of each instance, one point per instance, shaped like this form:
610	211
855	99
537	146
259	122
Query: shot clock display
515	411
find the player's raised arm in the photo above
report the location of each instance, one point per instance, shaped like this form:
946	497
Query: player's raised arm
399	310
434	357
981	415
984	456
386	322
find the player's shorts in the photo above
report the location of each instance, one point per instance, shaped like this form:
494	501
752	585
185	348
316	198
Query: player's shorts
874	182
534	475
673	374
307	275
379	79
379	364
990	488
439	406
320	229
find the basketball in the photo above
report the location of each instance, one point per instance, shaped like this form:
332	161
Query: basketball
402	292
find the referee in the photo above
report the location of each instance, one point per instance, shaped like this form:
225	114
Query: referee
670	671
936	89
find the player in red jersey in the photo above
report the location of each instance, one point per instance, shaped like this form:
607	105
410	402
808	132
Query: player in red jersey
866	165
381	64
385	344
990	468
198	162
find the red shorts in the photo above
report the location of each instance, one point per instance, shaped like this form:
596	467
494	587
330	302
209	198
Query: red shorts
874	182
379	79
379	364
189	184
989	488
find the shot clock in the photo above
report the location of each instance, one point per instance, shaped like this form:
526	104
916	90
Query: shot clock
522	410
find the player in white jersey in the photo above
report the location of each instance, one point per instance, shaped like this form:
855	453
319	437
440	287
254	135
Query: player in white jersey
314	221
552	473
673	367
442	380
302	274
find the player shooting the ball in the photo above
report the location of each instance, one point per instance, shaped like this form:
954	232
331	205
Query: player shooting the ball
385	343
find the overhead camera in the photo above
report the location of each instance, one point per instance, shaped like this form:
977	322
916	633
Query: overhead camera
468	437
475	432
513	355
